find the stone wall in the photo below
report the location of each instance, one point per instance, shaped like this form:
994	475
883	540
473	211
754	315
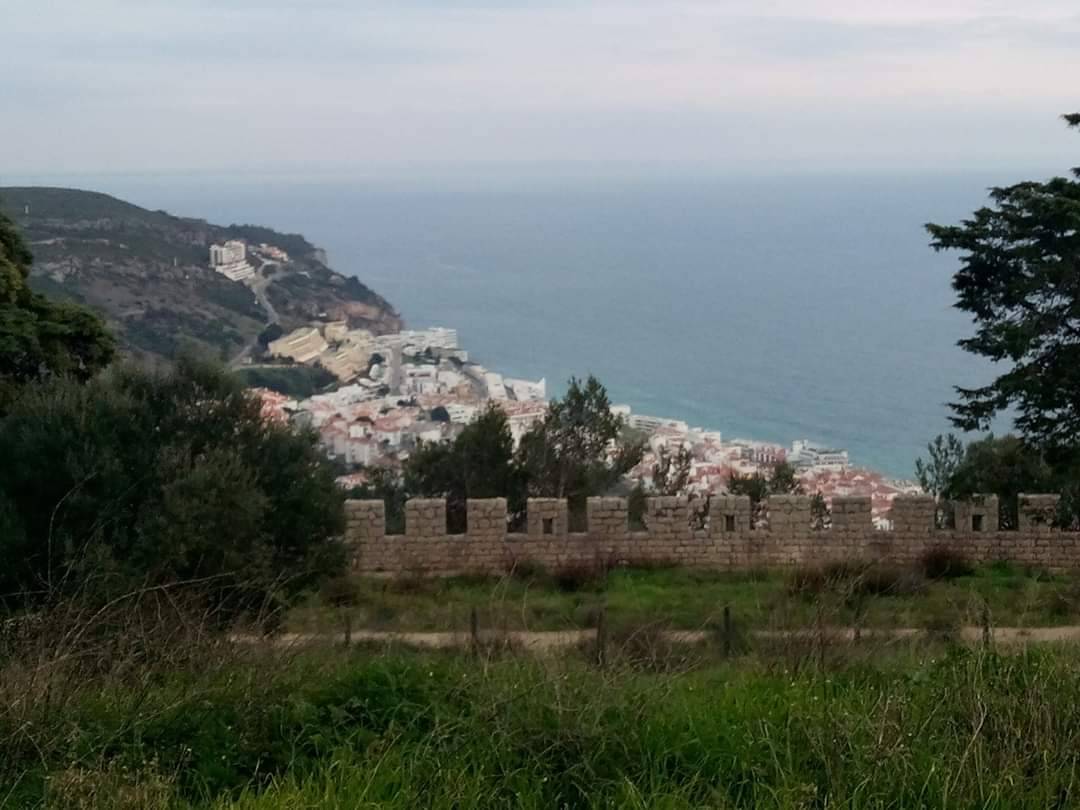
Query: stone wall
725	542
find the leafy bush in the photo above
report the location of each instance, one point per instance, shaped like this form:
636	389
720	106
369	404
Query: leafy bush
341	591
144	478
855	579
942	562
292	381
574	577
271	333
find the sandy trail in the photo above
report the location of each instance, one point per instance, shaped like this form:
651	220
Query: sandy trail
547	640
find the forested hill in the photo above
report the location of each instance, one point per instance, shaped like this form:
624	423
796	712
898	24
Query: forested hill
147	273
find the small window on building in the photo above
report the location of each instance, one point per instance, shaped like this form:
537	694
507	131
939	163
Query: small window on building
548	525
977	523
729	523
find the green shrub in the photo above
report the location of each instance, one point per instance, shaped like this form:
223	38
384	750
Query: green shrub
942	562
581	576
855	579
341	591
300	382
146	478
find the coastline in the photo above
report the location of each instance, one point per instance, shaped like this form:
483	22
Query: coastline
422	386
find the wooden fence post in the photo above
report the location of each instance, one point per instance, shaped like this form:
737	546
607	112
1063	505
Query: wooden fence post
818	620
601	638
474	630
727	631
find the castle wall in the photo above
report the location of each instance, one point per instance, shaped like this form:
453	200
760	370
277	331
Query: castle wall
726	542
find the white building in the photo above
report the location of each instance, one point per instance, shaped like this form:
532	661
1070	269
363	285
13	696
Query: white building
416	341
449	380
360	449
496	388
386	344
419	379
275	253
460	413
526	390
650	423
230	260
808	454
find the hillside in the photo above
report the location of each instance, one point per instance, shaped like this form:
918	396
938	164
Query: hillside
147	273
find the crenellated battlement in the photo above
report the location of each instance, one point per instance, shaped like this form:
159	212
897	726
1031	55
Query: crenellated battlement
725	539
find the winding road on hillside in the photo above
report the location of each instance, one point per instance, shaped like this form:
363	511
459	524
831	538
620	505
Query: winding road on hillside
259	285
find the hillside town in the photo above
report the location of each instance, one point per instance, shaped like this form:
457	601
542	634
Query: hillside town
414	386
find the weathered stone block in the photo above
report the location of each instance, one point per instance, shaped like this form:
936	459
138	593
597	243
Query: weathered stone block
852	513
365	520
729	514
425	517
547	517
788	513
914	514
486	518
607	518
979	514
668	518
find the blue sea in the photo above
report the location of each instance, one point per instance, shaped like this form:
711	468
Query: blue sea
774	308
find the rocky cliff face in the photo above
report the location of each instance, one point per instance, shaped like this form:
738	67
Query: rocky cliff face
146	272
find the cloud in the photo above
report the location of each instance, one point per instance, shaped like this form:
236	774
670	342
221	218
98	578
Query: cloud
200	83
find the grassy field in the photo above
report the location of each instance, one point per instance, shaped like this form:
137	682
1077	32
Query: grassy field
686	599
168	713
921	726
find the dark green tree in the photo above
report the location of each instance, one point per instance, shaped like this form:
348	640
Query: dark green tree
40	338
579	449
140	477
636	504
1020	281
1004	466
781	480
479	463
935	474
384	485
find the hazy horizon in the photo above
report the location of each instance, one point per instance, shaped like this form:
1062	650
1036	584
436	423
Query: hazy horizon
145	187
667	85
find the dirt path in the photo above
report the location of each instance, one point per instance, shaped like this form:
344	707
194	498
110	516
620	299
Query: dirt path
548	640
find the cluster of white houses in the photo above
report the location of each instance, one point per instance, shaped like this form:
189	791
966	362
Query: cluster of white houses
397	390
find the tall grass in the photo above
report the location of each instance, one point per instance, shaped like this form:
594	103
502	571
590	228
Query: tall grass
257	728
148	704
968	730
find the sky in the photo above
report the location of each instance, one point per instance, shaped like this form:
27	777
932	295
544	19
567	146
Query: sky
115	86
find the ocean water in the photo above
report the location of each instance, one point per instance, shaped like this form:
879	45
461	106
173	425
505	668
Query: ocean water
775	308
